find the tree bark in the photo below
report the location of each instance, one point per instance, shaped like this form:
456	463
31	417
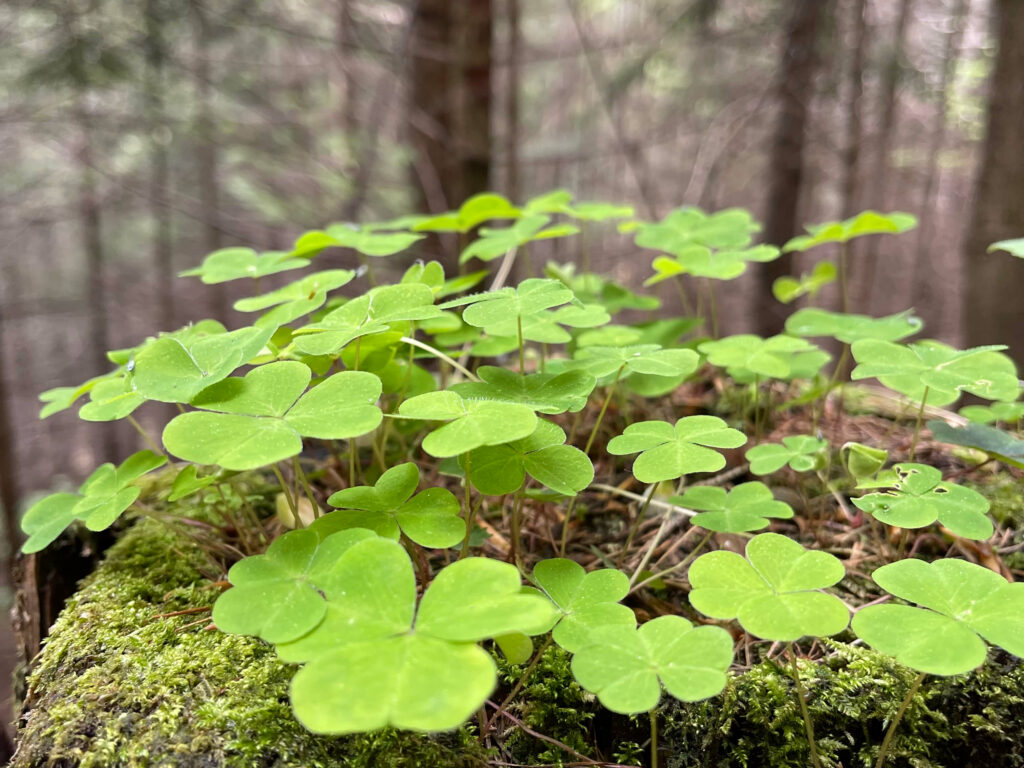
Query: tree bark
994	311
854	121
474	141
512	100
786	164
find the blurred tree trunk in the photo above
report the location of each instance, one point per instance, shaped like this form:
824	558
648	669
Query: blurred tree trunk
514	44
432	122
474	141
344	44
207	151
888	104
9	485
90	220
994	311
159	175
920	293
786	164
854	121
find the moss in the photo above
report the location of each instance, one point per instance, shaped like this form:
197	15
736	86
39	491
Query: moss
967	720
117	685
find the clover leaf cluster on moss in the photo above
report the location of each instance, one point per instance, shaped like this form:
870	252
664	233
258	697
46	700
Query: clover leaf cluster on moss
383	594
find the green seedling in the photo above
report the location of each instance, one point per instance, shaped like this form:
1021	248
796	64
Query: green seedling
1009	413
276	595
369	314
958	602
802	453
626	667
700	261
774	592
499	469
100	500
475	211
246	423
865	223
587	602
997	443
389	508
747	507
862	461
543	392
789	289
235	263
746	357
849	328
668	452
470	423
919	497
378	659
368	242
494	243
932	371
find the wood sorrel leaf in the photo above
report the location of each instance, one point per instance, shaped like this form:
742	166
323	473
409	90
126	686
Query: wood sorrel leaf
471	423
789	289
370	242
920	497
602	361
669	452
1013	247
746	355
587	601
431	518
864	223
846	328
746	507
730	229
474	211
426	675
260	419
175	368
47	519
501	469
700	261
371	313
941	370
773	592
801	452
110	399
530	298
544	392
959	600
235	263
985	414
626	667
494	243
187	482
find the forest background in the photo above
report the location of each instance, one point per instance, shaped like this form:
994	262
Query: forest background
137	137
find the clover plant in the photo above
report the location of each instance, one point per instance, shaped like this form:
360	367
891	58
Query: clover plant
469	424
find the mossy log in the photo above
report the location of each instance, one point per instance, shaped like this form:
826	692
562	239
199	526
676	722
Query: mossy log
131	676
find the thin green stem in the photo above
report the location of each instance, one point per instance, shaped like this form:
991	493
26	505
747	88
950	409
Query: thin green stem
604	408
288	496
917	424
565	526
440	356
713	308
844	279
299	473
683	298
145	435
504	270
884	750
654	738
522	352
650	549
517	523
470	511
802	699
636	524
353	451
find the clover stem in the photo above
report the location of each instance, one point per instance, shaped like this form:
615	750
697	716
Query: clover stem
504	269
683	298
517	522
145	435
565	526
228	515
299	473
844	287
519	684
470	511
522	358
654	738
800	695
917	424
650	549
365	262
352	451
604	408
585	247
712	308
440	356
249	511
883	751
288	496
677	567
636	525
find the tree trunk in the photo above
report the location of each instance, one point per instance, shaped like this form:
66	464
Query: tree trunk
9	485
786	164
159	178
994	311
512	100
474	139
854	122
